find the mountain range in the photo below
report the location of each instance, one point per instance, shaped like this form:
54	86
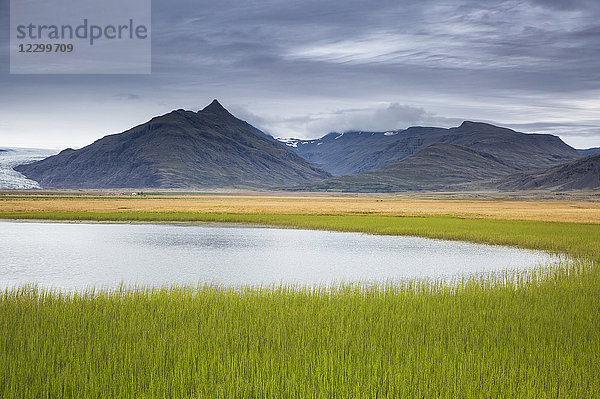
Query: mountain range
359	152
472	156
212	148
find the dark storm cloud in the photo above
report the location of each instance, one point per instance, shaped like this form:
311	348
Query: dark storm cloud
305	67
506	44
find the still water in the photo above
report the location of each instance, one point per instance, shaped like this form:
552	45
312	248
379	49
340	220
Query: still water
81	255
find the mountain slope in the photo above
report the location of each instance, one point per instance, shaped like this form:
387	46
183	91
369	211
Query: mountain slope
576	175
440	166
589	151
182	149
358	152
522	150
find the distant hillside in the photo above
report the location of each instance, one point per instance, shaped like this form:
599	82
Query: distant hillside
440	166
576	175
521	150
589	151
358	152
182	149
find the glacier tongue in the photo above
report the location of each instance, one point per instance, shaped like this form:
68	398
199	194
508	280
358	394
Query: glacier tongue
11	157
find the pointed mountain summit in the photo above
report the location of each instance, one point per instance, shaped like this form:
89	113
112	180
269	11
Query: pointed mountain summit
210	148
216	108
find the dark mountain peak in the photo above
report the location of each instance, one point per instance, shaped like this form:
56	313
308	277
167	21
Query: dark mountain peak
470	123
479	125
215	107
181	149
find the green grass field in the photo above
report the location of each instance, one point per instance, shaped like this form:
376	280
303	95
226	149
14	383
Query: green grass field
529	335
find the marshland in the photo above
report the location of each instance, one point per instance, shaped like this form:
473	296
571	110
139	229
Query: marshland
528	333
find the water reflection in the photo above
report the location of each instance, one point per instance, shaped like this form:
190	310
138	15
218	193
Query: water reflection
75	255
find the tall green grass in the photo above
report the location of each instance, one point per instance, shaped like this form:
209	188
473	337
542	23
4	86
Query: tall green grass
529	335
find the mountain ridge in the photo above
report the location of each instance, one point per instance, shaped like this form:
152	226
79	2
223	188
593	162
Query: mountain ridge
211	148
357	152
580	174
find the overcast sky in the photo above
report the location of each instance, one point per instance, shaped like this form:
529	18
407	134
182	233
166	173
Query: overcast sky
305	68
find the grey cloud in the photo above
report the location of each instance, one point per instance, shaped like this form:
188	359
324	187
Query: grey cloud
485	43
438	62
242	113
397	116
568	4
127	96
590	129
392	116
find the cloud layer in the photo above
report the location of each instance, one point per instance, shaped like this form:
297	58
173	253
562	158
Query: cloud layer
303	68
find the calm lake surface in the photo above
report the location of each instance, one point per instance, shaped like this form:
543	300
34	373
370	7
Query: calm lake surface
82	255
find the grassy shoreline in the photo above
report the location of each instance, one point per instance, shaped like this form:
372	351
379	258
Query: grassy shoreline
521	338
575	239
557	210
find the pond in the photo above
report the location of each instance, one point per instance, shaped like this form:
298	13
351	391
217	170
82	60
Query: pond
104	255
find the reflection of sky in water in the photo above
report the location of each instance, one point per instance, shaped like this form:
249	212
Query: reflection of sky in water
74	255
11	157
